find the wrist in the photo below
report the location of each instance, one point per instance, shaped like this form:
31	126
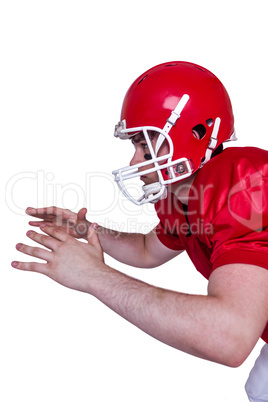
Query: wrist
99	284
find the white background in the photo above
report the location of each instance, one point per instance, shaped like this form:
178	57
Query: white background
65	67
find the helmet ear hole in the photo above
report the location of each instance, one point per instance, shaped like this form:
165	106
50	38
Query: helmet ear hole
209	122
199	131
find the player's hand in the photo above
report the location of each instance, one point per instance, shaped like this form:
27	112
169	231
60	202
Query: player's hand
70	262
75	224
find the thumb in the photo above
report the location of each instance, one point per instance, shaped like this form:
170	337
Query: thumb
81	215
92	236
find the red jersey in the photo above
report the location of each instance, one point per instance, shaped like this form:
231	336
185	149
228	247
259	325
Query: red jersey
226	220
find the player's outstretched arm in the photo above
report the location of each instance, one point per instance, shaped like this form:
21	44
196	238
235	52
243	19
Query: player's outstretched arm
135	249
222	326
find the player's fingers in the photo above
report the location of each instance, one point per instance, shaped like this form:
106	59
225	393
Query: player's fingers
39	223
44	240
31	266
54	232
50	213
42	213
34	251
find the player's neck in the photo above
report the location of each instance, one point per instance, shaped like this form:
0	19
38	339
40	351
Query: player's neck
181	189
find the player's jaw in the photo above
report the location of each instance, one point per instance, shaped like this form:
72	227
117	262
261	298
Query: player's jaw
147	178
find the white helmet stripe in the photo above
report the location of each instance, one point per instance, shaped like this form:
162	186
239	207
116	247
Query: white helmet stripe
171	121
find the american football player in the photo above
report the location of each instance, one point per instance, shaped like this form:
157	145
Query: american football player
212	202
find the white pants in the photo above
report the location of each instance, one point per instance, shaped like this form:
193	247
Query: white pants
257	383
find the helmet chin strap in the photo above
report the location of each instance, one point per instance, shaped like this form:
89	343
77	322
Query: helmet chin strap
153	192
213	141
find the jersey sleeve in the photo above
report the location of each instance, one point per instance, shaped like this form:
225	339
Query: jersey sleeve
240	232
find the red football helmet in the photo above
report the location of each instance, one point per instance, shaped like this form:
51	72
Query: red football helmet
174	99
